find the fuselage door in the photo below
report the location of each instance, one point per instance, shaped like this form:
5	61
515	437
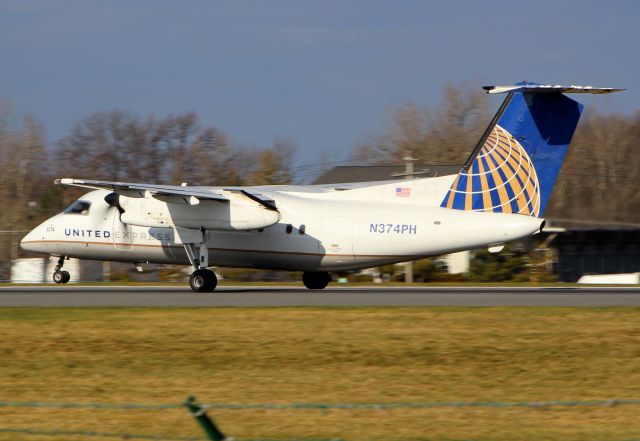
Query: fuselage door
337	238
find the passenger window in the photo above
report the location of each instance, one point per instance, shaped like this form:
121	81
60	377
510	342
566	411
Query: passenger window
289	228
78	207
302	229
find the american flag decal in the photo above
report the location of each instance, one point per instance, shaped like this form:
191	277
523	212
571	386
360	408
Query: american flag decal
403	192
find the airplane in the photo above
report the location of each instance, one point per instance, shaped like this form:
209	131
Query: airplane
498	196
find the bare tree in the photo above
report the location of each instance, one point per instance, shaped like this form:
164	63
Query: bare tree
23	162
274	164
436	136
119	146
599	178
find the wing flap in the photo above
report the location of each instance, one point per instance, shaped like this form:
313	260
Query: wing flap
260	198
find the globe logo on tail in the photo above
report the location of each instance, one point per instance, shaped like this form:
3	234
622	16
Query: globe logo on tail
502	179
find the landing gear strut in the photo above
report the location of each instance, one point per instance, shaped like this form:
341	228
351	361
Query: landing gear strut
202	279
61	276
316	280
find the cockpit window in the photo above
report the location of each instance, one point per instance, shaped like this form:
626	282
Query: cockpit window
78	207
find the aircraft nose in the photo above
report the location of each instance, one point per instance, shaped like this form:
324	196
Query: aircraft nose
28	243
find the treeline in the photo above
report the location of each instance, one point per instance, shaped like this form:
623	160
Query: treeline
120	146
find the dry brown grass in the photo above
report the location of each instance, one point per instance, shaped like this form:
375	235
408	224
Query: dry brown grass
326	355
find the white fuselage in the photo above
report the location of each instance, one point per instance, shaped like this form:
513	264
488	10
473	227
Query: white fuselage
320	228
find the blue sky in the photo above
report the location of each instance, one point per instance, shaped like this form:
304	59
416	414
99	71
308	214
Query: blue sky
322	73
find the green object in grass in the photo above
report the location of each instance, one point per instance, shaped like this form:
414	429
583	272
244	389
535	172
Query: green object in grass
207	424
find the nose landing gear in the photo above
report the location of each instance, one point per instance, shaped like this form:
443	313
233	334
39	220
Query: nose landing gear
61	276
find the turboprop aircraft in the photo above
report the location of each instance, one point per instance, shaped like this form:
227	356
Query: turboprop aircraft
498	196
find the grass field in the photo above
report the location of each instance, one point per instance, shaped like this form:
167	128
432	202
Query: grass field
340	355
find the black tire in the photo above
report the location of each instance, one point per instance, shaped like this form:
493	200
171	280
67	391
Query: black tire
61	277
203	280
316	280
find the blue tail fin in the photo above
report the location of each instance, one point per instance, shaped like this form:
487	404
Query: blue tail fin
516	163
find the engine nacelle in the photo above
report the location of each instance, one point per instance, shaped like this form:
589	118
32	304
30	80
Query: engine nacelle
238	213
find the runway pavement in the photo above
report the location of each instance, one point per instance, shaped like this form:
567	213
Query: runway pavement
174	296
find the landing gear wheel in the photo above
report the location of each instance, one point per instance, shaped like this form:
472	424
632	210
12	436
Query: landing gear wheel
203	280
61	277
316	280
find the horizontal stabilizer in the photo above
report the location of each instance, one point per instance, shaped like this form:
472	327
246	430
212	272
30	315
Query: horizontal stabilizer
526	87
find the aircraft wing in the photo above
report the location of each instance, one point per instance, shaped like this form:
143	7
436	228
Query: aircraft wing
146	189
170	193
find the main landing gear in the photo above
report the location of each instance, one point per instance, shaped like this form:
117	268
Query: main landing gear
202	279
316	280
61	276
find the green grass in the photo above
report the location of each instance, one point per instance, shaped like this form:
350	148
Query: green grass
332	355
